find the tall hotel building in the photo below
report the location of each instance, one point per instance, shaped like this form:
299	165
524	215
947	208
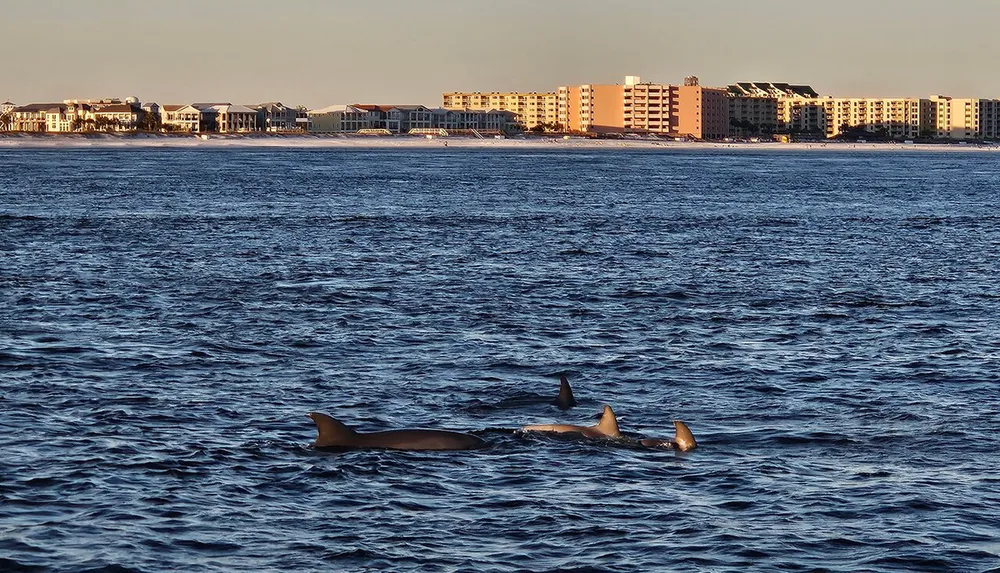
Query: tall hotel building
636	107
530	108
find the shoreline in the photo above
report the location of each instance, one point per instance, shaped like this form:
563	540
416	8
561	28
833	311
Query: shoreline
346	141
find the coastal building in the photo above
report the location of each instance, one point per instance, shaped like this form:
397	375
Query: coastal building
648	107
116	117
688	110
277	117
989	119
964	118
6	115
701	112
797	108
227	118
209	117
592	108
175	117
897	118
342	119
33	116
532	109
477	121
421	119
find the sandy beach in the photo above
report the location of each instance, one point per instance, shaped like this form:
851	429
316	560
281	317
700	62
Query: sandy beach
26	140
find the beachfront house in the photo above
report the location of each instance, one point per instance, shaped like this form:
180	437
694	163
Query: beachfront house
209	117
275	117
32	117
342	119
116	117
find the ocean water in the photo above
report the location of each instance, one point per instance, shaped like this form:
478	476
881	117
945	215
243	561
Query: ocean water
825	322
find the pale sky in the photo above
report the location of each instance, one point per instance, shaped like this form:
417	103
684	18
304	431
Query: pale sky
324	52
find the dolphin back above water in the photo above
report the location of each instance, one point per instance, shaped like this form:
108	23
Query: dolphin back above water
565	399
607	427
683	439
335	434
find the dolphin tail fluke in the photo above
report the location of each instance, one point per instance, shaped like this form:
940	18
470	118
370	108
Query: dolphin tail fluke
331	432
565	400
609	423
684	439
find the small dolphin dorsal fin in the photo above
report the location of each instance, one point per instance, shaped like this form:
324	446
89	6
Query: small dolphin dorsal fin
608	424
565	399
684	440
331	432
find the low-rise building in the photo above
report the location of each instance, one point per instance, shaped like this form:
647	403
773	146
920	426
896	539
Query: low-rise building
277	117
33	116
341	119
116	117
209	117
176	117
6	115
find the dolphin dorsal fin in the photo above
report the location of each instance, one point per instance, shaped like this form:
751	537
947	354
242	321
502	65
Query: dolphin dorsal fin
330	432
684	439
608	424
565	399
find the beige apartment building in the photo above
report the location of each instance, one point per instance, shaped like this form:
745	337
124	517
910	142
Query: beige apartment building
892	117
965	118
531	109
797	108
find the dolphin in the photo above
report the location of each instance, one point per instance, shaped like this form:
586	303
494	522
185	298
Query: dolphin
683	439
334	434
565	399
607	427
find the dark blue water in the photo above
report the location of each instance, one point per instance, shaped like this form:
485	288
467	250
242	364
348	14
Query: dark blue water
826	323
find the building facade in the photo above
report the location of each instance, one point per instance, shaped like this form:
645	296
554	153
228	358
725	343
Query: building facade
275	117
702	113
648	107
532	110
964	118
342	119
33	116
897	118
209	118
591	108
689	110
797	108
